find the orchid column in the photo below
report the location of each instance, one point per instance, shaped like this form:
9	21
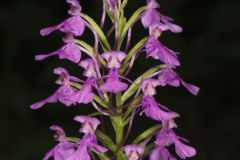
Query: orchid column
107	88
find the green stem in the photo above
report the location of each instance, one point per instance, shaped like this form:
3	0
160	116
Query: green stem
106	140
119	128
146	133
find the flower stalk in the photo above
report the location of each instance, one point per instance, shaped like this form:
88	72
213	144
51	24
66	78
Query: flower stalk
110	92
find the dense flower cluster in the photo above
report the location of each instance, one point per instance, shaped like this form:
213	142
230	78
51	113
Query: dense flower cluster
100	89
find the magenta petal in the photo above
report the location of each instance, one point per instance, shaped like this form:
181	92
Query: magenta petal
75	7
161	153
113	83
184	151
168	76
63	151
82	151
73	25
90	67
70	51
80	154
152	4
61	135
158	51
166	136
44	56
74	3
49	154
61	71
63	76
64	94
51	99
191	88
150	17
148	86
89	124
85	94
48	30
151	108
134	151
175	28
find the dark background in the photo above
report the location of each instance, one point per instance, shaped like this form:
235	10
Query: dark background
210	57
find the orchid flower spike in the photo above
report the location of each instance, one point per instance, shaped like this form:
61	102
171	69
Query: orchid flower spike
105	87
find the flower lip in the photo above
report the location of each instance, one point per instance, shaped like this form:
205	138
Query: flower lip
113	84
114	58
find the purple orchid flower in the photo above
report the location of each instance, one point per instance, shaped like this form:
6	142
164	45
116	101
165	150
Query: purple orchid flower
63	149
157	50
75	7
167	137
149	105
169	77
113	84
134	152
114	58
157	22
64	93
70	51
74	25
156	111
85	94
89	124
88	142
161	153
90	68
